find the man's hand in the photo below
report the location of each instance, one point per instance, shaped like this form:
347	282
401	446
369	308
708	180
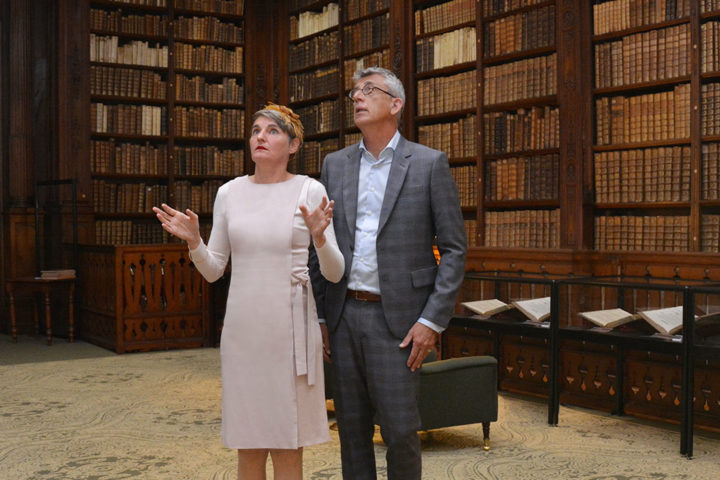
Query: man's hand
326	342
423	341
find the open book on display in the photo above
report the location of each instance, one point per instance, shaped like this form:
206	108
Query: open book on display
536	309
487	308
667	321
609	318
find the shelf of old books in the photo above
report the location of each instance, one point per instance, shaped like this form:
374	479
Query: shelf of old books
445	85
314	84
129	46
643	155
645	333
362	19
518	197
167	100
208	101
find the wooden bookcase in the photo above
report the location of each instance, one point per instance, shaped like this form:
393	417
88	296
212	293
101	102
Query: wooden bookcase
519	131
646	197
327	43
445	82
486	79
167	111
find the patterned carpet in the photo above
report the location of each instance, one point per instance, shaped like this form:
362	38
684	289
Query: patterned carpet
78	412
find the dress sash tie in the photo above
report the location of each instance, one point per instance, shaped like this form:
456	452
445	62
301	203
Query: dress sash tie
304	339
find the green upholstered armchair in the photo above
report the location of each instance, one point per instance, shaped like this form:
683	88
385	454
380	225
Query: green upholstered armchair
459	391
456	391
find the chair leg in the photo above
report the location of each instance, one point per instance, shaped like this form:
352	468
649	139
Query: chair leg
486	436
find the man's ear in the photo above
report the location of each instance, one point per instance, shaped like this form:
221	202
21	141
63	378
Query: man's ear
397	105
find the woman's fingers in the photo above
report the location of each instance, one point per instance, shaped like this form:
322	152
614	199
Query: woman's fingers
191	215
169	210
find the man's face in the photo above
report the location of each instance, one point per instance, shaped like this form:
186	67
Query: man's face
376	106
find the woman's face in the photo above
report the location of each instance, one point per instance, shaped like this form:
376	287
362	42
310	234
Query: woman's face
269	143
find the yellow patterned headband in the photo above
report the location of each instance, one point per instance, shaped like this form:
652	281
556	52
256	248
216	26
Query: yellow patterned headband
291	119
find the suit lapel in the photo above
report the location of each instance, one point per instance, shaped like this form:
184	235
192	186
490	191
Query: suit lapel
351	176
396	178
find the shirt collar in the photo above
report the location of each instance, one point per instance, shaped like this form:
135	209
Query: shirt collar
392	144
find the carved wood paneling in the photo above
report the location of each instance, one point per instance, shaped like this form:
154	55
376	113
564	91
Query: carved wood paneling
588	378
158	298
653	386
706	403
524	365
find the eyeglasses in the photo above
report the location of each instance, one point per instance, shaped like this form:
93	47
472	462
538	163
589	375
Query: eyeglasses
367	90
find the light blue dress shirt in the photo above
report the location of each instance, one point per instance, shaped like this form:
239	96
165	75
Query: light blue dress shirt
374	175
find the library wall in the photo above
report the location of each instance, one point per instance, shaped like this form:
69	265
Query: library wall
584	136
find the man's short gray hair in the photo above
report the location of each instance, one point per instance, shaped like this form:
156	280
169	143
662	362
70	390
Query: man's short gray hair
393	83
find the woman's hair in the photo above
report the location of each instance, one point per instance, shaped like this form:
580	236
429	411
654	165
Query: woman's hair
288	121
393	83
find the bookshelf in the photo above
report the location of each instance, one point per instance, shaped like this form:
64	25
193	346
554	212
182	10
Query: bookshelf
328	42
366	43
520	127
487	95
445	79
314	79
645	194
167	114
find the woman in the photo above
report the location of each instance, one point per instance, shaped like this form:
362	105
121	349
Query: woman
271	346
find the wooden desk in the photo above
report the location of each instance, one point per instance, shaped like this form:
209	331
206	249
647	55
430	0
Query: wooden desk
45	287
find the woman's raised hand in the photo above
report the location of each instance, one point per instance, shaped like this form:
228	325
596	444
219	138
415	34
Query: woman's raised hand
318	220
185	226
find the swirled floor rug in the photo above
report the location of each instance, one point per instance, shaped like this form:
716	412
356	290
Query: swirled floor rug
78	412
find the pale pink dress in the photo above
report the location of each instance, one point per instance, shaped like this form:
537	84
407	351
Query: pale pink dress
271	347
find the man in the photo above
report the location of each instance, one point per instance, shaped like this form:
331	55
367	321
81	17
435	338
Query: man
393	200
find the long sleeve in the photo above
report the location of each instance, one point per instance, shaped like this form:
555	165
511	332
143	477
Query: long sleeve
332	264
211	259
451	243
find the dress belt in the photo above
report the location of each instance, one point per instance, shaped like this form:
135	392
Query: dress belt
363	296
302	316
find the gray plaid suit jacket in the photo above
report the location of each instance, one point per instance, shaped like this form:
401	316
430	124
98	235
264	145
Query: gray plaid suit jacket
420	205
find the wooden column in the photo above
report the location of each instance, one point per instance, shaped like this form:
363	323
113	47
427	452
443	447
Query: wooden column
4	125
574	87
402	59
73	107
266	45
20	162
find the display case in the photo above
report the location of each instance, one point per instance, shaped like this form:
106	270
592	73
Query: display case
517	331
644	346
632	343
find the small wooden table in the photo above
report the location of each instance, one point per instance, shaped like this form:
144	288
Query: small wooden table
45	287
